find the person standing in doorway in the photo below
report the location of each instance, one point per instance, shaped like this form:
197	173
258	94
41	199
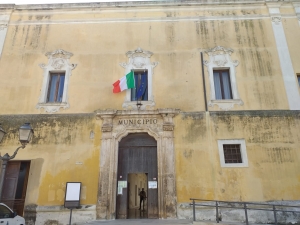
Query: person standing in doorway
143	197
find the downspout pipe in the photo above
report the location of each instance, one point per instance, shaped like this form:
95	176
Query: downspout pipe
203	79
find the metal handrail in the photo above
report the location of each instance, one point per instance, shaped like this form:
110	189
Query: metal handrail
244	207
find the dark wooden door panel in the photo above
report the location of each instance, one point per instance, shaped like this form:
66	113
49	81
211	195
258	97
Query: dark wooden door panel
137	154
11	180
15	185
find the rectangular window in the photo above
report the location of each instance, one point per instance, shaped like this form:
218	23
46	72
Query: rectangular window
56	87
222	84
140	92
298	77
232	153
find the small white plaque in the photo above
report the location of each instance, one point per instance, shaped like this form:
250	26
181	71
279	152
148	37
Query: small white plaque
152	184
121	185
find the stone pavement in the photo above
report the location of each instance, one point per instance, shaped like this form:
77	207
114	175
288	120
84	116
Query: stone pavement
139	221
154	222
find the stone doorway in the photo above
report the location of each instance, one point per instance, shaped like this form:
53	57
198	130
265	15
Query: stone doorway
137	160
118	124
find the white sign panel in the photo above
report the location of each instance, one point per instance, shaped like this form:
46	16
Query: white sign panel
121	185
152	184
73	192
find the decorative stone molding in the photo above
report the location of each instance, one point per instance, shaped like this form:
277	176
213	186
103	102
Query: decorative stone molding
157	123
220	58
3	26
58	61
139	59
226	104
168	127
276	19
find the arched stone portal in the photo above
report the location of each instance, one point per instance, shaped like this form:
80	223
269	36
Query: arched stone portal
137	168
117	125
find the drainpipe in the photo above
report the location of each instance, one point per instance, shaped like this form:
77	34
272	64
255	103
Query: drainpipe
203	79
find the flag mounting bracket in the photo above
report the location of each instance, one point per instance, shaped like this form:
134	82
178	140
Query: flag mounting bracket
138	104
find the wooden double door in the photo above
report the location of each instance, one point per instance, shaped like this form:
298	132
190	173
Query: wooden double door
15	185
137	156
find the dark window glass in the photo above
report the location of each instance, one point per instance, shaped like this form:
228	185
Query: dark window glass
232	153
5	212
140	92
298	80
56	87
222	84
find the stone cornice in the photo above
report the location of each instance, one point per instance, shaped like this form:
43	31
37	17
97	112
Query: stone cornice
136	4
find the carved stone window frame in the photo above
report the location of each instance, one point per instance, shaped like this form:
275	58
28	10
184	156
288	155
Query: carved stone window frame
139	59
220	59
58	62
242	144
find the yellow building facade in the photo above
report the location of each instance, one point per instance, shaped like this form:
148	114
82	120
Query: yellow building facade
220	105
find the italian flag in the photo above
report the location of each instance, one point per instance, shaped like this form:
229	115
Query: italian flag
124	83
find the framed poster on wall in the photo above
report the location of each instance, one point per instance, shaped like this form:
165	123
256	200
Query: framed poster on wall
72	196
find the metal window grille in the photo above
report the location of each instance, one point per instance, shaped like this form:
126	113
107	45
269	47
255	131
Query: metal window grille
232	153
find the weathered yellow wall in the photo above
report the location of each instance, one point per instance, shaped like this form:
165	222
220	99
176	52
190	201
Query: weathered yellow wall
272	145
99	47
63	139
61	151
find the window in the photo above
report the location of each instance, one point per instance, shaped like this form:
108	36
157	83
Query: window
140	92
56	79
222	78
139	62
233	153
298	77
56	87
222	84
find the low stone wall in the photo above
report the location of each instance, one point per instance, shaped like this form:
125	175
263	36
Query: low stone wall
205	213
58	215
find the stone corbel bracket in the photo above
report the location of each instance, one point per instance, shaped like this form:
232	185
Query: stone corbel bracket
58	61
168	115
107	117
274	11
3	26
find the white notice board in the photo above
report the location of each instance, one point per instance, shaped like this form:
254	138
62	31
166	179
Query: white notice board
152	184
73	191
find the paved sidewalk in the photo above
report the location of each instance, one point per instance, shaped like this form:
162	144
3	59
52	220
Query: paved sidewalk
139	221
154	222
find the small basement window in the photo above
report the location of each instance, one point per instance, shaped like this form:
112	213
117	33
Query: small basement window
233	153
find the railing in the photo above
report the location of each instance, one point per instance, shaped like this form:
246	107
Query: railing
242	206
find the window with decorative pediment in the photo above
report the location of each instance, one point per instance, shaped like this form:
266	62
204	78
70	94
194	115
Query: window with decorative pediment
222	78
140	97
54	92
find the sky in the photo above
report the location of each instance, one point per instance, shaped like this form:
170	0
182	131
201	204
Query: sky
24	2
